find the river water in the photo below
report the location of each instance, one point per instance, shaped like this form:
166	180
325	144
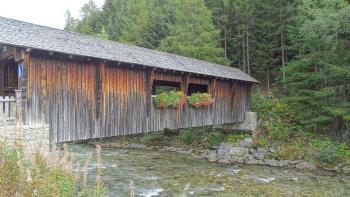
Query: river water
167	174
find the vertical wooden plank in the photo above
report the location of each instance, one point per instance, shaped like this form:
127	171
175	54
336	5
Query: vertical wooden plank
185	81
1	109
149	81
212	87
99	70
25	86
7	107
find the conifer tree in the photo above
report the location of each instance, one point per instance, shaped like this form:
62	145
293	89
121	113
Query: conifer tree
162	15
136	22
90	21
193	33
319	78
114	13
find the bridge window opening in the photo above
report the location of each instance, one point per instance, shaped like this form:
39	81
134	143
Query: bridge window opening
197	88
160	86
9	77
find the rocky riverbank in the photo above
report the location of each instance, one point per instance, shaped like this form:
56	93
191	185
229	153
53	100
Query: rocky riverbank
243	152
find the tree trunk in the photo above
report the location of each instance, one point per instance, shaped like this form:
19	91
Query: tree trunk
225	41
283	59
244	56
248	55
282	45
268	80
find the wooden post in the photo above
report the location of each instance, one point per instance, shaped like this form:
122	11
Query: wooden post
185	81
249	96
2	77
212	87
18	97
149	82
234	95
24	86
99	76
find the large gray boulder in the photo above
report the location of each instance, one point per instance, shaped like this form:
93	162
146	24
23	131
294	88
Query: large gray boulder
305	166
259	155
246	143
224	149
346	170
211	156
249	159
238	151
271	162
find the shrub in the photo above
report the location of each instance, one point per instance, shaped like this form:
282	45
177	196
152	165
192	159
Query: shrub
280	133
200	100
277	121
215	138
235	137
39	176
187	137
22	177
343	151
330	152
10	174
294	150
326	151
170	99
201	137
261	141
154	139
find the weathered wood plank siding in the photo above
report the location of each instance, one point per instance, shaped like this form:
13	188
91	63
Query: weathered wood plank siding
124	101
86	99
8	51
62	93
199	80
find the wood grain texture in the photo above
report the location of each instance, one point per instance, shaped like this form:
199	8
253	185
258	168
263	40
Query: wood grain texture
83	99
7	52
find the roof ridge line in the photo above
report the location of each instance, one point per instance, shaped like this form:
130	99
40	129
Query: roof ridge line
137	53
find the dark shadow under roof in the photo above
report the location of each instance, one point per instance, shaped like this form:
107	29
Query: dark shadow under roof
23	34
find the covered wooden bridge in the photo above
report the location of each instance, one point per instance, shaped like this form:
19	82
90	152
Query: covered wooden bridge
85	87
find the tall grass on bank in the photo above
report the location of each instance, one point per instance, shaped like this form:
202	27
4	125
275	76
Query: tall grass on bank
28	170
33	174
21	176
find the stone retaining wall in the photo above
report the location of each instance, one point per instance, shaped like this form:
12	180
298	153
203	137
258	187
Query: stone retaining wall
250	123
33	137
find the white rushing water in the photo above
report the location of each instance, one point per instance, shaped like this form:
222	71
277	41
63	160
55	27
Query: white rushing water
156	174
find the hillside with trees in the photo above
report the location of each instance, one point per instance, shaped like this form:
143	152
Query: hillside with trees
298	49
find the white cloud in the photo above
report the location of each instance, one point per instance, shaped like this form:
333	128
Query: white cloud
42	12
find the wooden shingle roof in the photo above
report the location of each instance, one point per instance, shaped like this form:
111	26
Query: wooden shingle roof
23	34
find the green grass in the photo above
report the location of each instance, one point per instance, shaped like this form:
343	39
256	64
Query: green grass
154	139
203	137
235	137
35	175
295	149
309	147
261	142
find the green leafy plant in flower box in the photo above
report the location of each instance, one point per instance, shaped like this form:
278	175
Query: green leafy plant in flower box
198	100
172	99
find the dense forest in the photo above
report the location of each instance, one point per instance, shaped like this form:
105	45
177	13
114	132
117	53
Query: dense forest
298	49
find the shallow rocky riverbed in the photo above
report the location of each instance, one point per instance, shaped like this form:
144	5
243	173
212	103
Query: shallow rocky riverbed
242	152
166	171
157	173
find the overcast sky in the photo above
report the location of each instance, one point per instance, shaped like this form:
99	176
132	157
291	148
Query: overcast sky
42	12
